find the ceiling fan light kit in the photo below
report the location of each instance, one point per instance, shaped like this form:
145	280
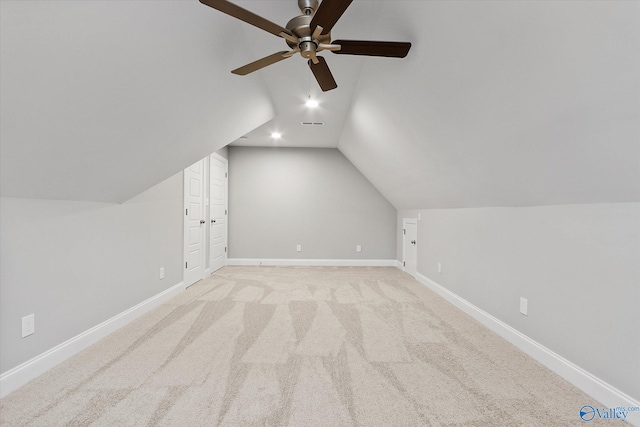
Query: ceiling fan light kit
309	34
311	103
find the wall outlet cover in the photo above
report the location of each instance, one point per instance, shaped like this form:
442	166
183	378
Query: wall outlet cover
524	306
28	325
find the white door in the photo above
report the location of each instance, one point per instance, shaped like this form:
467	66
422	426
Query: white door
194	223
410	245
218	208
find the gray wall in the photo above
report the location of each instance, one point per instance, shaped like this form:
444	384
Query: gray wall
224	152
77	264
282	197
578	265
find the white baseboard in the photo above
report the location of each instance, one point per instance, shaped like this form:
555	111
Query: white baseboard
313	262
20	375
601	391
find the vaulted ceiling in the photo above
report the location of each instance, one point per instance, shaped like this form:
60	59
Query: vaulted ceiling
497	104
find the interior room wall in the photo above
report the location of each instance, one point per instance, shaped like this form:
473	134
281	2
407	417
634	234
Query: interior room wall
576	264
314	197
224	152
76	264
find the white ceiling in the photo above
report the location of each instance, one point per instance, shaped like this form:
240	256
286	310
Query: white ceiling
290	82
103	99
497	104
505	104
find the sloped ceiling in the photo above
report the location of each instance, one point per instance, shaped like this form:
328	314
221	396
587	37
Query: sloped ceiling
290	82
503	104
103	99
498	103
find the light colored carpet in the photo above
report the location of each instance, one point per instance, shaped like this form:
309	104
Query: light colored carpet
293	346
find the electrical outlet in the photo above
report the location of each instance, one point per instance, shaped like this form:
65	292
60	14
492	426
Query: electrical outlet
299	248
28	325
524	306
358	248
161	273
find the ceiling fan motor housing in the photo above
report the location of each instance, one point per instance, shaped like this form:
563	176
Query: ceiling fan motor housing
299	27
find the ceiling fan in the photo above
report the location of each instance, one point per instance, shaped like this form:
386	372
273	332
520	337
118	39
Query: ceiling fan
309	34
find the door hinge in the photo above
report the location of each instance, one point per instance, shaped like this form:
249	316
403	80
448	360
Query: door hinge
185	265
186	212
404	264
225	175
404	231
225	211
225	249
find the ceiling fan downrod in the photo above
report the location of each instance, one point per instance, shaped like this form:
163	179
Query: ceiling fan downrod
308	7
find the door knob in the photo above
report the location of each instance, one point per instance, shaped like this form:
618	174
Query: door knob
202	221
413	242
212	221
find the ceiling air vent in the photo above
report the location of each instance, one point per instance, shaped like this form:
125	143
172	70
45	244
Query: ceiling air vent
312	123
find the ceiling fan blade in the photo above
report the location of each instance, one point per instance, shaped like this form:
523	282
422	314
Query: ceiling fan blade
322	74
261	63
328	14
371	48
246	16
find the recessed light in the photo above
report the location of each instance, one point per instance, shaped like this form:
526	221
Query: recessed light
276	135
311	103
